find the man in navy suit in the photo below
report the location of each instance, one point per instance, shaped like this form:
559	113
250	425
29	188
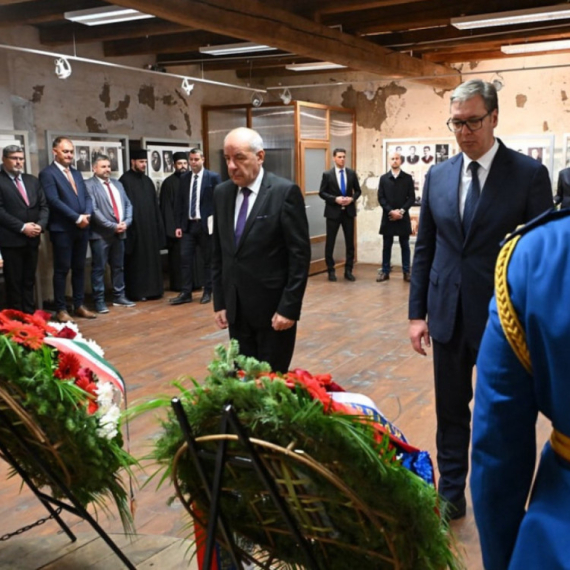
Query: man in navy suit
70	209
112	215
23	217
469	204
261	253
340	190
563	189
195	209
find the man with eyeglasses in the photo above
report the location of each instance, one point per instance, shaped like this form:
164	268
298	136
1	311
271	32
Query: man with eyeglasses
23	217
469	204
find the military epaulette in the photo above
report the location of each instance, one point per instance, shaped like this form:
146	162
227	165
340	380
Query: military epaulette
547	216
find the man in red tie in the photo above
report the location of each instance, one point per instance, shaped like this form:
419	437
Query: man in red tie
112	215
23	216
70	209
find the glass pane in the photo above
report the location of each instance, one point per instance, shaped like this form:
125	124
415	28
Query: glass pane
315	165
341	130
315	214
220	123
276	125
313	123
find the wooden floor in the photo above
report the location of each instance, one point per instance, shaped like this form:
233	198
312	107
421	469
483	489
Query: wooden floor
355	331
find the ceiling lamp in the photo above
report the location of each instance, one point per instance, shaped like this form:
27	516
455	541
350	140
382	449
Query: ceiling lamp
286	96
62	68
536	46
257	99
314	66
559	12
235	49
105	15
187	87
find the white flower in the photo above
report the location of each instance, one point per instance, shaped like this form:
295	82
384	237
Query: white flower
105	396
94	346
108	422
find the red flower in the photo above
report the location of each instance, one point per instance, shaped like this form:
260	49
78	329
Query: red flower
43	315
66	332
29	336
68	366
84	377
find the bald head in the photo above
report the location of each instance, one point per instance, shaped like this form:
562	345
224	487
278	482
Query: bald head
244	155
395	160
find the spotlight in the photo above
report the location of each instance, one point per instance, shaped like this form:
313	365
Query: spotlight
187	87
286	96
257	99
62	68
497	81
369	92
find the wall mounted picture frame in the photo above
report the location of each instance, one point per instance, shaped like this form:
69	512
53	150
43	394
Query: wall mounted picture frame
539	147
90	145
160	164
19	138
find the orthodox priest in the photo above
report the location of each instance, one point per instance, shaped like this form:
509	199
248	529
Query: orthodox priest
168	201
145	236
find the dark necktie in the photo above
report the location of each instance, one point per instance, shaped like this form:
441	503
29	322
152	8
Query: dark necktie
113	202
22	190
472	198
342	183
242	216
194	197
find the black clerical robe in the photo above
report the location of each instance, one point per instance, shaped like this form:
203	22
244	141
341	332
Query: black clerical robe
145	239
168	200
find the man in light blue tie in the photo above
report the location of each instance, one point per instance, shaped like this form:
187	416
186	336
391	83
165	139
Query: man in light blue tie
340	190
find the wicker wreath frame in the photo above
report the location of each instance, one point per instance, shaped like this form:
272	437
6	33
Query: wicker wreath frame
299	491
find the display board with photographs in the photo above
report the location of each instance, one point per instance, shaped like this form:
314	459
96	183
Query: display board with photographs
418	155
89	146
160	163
539	147
18	138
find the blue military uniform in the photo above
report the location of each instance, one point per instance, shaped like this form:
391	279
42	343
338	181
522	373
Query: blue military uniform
508	400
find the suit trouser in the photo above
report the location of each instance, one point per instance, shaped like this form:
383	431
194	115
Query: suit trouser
20	265
453	363
69	252
195	236
264	343
388	242
174	262
103	251
347	223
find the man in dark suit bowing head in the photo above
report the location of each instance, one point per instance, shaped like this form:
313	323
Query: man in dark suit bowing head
469	203
340	190
261	253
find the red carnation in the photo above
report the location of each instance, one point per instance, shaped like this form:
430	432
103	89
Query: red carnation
66	332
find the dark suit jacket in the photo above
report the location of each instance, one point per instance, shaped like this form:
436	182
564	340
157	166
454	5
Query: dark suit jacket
330	190
103	223
448	267
396	194
14	212
64	205
269	267
563	190
209	181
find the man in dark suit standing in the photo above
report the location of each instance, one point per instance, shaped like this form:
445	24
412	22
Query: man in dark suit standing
70	209
340	190
195	209
23	217
396	196
469	203
261	253
112	215
563	189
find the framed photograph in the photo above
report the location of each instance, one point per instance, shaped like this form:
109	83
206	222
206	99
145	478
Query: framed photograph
418	155
88	146
538	147
19	138
160	164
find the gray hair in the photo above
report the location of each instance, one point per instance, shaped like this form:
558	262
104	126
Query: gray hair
253	138
474	87
99	158
11	149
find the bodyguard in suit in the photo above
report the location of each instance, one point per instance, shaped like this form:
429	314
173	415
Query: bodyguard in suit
340	190
563	189
195	210
396	196
112	215
469	203
261	253
70	209
23	217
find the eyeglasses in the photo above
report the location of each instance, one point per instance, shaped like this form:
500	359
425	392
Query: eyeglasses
455	125
16	158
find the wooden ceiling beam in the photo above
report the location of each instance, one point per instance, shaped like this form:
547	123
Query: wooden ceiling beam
29	13
70	32
253	21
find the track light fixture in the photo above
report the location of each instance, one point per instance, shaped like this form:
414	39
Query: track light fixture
286	96
62	68
257	99
187	87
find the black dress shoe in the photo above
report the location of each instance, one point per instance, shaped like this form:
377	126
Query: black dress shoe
206	298
349	276
332	276
181	299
